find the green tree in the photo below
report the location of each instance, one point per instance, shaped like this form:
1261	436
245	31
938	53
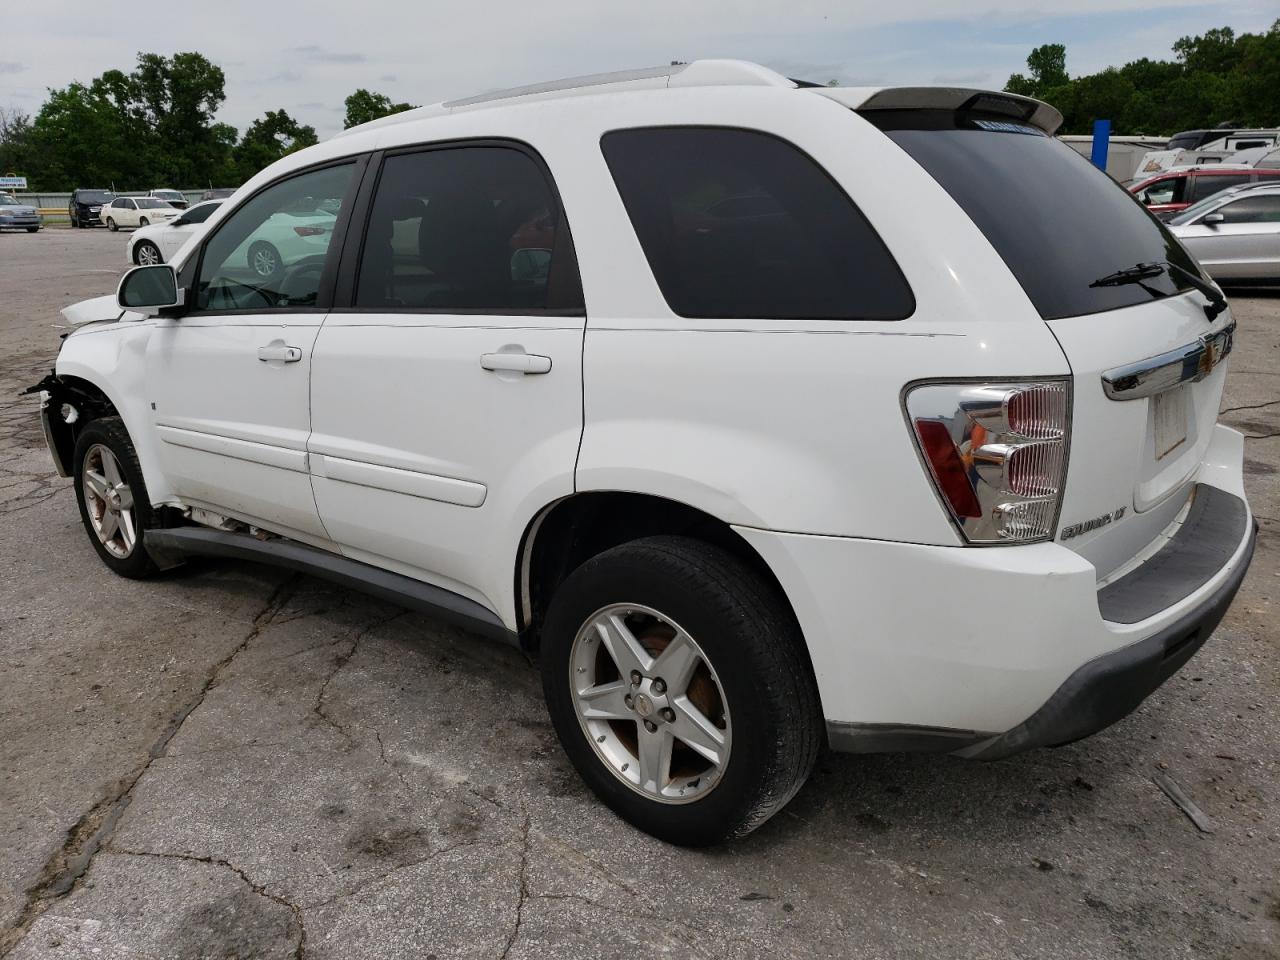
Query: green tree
365	105
269	138
177	97
1048	66
15	142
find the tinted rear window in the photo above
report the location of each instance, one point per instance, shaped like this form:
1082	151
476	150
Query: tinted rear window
740	224
1057	221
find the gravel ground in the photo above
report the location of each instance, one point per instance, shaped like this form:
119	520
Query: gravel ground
231	761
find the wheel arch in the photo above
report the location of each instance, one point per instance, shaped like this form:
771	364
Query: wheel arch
568	532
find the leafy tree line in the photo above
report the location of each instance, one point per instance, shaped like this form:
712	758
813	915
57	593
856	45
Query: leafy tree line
1214	78
154	127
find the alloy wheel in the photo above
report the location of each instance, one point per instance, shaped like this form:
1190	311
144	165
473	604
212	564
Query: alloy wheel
650	703
109	501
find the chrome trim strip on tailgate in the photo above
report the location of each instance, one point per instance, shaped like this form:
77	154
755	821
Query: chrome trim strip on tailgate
1189	363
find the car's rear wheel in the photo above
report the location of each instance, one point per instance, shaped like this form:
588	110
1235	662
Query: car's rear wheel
147	254
677	682
264	259
111	224
113	498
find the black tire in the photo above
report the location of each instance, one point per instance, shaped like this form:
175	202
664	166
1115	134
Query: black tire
111	224
110	433
752	642
148	245
32	229
143	222
261	254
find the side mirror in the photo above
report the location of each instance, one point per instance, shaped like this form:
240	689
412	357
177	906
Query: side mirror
1212	219
149	289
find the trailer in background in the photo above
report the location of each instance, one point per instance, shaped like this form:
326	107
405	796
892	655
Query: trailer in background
1124	153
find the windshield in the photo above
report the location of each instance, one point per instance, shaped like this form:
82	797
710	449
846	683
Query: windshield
1203	206
8	198
167	194
93	196
1058	222
151	203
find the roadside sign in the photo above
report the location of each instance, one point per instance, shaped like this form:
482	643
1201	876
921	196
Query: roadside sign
13	183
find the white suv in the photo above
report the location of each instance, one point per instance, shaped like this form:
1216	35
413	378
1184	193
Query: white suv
770	415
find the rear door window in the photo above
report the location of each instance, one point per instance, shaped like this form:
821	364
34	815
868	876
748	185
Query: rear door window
740	224
1059	223
1252	210
1207	186
467	228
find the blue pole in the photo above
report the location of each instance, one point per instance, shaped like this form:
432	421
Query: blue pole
1101	141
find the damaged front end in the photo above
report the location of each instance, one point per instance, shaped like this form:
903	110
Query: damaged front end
64	406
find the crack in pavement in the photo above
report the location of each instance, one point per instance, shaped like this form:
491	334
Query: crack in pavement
1248	406
524	887
299	952
340	661
1262	436
63	871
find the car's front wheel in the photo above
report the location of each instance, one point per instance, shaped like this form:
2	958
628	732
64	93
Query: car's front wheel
147	254
264	259
143	222
677	682
111	224
113	498
32	229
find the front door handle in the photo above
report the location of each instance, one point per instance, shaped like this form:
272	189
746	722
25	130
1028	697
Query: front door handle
280	352
516	362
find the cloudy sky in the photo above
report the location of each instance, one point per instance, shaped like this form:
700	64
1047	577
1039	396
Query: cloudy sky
307	56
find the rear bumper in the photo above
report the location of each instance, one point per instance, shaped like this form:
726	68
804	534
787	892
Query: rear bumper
988	652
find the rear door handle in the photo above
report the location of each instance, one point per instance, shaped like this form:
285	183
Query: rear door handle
280	352
516	362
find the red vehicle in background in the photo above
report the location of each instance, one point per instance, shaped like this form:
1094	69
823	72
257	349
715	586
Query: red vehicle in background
1172	191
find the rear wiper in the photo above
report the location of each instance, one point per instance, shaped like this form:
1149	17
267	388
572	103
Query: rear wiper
1135	274
1146	271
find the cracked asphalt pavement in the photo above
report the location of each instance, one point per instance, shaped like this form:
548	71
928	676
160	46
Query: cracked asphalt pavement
232	761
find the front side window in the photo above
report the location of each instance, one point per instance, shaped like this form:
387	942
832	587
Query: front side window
1252	210
1207	186
270	252
1168	190
741	224
472	228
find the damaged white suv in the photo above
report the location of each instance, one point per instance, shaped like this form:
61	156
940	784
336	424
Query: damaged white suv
770	415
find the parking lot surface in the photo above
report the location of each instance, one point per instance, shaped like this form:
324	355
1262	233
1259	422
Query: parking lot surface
232	761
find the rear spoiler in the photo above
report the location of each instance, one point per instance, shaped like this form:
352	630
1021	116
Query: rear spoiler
1011	105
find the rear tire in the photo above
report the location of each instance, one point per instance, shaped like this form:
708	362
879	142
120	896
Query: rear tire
264	259
756	703
112	495
111	224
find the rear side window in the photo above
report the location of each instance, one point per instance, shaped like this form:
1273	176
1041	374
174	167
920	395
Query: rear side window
469	228
1252	210
1207	186
739	224
1059	223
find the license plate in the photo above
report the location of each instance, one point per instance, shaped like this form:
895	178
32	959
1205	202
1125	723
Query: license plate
1169	412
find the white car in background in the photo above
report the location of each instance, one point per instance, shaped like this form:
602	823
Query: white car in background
137	212
281	241
174	198
158	242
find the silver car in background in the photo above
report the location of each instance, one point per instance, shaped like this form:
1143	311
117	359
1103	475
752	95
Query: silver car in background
1235	234
18	216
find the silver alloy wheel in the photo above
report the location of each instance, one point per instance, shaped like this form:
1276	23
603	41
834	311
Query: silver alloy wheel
109	501
148	254
264	261
650	703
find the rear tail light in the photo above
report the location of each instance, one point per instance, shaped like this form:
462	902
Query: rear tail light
997	454
308	231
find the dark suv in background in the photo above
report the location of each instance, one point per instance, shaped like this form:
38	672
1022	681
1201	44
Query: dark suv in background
85	206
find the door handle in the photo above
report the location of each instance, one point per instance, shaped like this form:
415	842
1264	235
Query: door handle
279	352
516	362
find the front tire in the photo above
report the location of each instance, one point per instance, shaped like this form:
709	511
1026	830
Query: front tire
677	681
112	495
111	224
147	254
33	229
143	222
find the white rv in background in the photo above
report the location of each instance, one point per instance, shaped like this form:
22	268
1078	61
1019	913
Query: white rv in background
1124	152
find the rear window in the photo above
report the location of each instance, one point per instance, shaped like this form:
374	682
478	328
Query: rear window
739	224
93	196
1059	223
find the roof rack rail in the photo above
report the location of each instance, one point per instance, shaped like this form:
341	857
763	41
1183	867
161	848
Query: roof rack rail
698	73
